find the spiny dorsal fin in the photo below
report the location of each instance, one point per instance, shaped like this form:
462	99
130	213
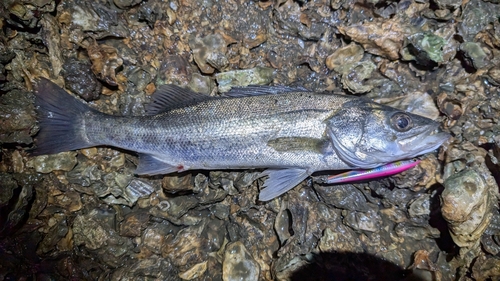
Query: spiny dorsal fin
171	96
257	90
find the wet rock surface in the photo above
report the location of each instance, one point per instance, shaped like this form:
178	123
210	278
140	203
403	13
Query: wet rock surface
84	215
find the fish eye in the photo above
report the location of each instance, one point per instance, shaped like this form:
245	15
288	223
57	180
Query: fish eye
401	122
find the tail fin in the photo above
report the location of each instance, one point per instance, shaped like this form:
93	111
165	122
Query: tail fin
60	119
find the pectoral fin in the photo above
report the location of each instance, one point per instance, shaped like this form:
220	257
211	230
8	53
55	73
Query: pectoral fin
281	181
150	165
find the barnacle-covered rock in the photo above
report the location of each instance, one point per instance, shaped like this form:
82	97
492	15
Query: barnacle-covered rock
90	232
363	221
80	80
113	189
53	43
425	48
123	4
95	231
173	208
420	206
26	14
347	62
283	224
196	271
486	268
201	84
209	52
230	182
134	224
241	78
187	248
57	229
295	21
459	156
69	200
474	54
6	56
152	267
450	48
15	203
137	189
118	188
112	160
397	197
453	108
239	264
92	17
466	205
343	58
17	163
151	11
383	38
8	187
309	219
490	241
64	161
156	237
355	78
174	69
476	15
175	183
140	77
340	239
385	11
85	176
211	192
344	196
105	61
409	230
15	117
493	75
423	266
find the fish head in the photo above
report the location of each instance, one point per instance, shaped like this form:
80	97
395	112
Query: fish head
365	134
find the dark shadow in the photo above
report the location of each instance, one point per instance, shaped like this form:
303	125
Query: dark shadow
490	164
436	220
465	62
351	267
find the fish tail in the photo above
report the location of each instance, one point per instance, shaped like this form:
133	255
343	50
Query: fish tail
60	119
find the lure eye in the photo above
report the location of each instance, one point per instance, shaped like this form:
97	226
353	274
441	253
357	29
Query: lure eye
401	122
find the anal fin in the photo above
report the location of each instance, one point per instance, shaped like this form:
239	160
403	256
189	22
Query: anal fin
281	181
151	165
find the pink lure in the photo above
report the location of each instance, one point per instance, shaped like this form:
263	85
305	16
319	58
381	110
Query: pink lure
382	171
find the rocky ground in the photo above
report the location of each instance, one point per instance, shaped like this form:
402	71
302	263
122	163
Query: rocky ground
84	215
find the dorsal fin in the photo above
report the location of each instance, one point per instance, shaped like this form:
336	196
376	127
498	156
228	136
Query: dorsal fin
171	96
257	90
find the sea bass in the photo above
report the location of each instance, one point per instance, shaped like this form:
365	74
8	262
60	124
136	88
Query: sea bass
289	132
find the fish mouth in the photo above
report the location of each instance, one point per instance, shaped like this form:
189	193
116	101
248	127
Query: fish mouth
417	145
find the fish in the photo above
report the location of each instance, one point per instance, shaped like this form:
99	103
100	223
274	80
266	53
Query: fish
288	132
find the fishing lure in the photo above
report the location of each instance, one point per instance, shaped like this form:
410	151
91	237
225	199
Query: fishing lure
382	171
